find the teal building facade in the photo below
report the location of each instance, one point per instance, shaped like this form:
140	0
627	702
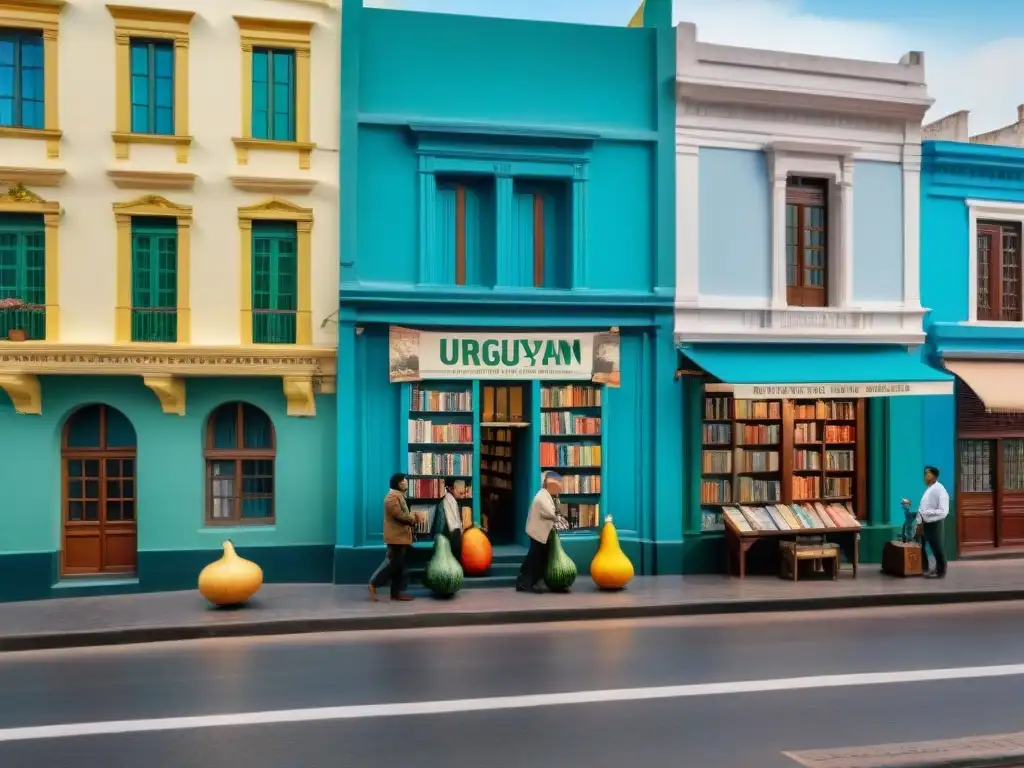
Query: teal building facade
493	212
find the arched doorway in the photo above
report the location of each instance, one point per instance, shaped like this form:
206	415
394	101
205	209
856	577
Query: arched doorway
99	512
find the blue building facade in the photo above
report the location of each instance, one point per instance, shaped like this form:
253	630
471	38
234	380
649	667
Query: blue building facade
972	208
507	276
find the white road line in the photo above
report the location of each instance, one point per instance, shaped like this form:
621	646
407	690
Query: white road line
362	711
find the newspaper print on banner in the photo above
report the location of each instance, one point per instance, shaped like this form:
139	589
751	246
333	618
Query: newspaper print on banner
418	355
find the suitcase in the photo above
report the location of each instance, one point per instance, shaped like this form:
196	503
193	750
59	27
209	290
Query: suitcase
902	559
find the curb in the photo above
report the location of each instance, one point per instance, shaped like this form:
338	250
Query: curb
263	628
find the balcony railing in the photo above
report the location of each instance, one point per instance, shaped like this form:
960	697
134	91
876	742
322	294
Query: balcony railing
31	319
270	326
155	324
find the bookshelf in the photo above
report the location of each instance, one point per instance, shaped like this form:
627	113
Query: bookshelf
502	405
497	465
756	452
440	444
571	441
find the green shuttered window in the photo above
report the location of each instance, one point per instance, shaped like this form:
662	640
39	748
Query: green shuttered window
154	279
274	282
23	274
273	94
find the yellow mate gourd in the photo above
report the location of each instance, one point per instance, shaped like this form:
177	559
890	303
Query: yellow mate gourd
231	580
610	568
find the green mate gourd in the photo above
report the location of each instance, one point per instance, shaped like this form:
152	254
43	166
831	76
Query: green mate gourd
561	571
444	574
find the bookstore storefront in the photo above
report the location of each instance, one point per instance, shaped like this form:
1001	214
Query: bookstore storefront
492	409
828	433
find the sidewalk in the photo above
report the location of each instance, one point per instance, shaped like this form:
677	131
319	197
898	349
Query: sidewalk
298	608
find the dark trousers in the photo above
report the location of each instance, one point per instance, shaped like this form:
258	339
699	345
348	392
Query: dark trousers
534	565
392	569
933	538
455	539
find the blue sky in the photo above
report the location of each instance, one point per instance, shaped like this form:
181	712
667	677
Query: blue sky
970	48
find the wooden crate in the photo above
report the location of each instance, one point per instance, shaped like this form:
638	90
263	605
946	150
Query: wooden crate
902	559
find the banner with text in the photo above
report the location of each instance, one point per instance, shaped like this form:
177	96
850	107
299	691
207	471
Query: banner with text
828	391
417	355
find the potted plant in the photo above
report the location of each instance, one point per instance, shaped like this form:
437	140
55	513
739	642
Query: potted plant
16	305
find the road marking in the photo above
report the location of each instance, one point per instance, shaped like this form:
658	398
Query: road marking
363	711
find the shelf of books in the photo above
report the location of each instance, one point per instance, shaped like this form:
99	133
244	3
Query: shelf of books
440	445
571	441
760	453
496	472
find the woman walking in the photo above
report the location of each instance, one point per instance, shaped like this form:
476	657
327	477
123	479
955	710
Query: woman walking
398	525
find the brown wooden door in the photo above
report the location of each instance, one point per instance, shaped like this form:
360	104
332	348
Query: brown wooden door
976	501
99	511
990	476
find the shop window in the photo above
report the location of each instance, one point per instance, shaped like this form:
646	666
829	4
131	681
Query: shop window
154	278
23	274
152	86
999	271
806	242
273	94
240	451
465	228
21	79
542	228
274	282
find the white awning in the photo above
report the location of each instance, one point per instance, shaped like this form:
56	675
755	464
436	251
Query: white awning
999	384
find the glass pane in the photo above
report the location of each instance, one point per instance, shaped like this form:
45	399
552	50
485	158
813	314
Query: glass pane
92	468
120	432
76	489
83	429
984	259
128	489
1013	465
128	510
225	427
92	489
1011	309
975	466
92	511
74	468
113	489
113	511
76	510
222	489
258	430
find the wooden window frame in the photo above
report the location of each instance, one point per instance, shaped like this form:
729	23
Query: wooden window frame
996	230
238	455
800	194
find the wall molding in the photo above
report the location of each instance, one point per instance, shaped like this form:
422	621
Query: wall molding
24	391
150	180
31	177
169	390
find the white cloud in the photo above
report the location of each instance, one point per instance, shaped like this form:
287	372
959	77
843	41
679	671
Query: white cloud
979	78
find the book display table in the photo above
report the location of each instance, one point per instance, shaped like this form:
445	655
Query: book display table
745	528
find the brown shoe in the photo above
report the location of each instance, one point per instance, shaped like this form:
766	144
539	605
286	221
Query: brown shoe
373	592
403	598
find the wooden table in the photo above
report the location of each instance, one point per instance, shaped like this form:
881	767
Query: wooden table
738	543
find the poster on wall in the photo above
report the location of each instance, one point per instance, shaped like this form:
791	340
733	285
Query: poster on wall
417	355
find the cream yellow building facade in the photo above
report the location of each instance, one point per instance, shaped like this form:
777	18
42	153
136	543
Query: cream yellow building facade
168	288
92	175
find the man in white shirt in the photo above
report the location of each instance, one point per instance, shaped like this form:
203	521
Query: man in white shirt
452	517
932	510
542	518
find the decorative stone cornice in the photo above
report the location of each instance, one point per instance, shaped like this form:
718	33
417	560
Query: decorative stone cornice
304	371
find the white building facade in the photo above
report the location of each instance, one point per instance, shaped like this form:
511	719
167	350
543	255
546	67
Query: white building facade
798	304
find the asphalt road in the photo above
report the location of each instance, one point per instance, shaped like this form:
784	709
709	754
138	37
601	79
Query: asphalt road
416	669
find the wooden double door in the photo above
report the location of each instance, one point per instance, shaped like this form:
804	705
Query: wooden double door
98	455
990	481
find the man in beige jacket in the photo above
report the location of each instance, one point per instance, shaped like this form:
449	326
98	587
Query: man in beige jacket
542	518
